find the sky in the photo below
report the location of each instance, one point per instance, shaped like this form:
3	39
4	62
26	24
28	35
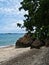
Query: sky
10	16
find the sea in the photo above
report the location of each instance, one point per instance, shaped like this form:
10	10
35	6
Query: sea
7	39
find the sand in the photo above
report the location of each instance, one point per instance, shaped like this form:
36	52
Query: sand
24	56
7	53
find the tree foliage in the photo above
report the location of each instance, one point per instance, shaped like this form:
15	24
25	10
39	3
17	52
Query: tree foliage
38	17
30	6
42	19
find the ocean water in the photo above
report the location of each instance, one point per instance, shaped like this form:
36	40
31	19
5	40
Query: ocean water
9	39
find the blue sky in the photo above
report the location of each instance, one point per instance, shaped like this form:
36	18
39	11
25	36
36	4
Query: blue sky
10	16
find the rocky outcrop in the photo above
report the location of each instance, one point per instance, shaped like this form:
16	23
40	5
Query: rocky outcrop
24	41
27	41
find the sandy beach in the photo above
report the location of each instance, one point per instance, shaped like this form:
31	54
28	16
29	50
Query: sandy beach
7	53
23	56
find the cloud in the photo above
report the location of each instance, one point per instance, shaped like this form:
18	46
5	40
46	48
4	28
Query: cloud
10	16
12	28
11	7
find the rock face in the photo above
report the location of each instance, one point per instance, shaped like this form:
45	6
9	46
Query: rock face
24	41
47	43
37	44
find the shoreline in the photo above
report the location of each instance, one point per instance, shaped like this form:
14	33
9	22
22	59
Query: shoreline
7	46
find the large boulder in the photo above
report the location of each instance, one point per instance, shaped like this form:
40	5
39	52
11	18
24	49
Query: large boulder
37	44
25	41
